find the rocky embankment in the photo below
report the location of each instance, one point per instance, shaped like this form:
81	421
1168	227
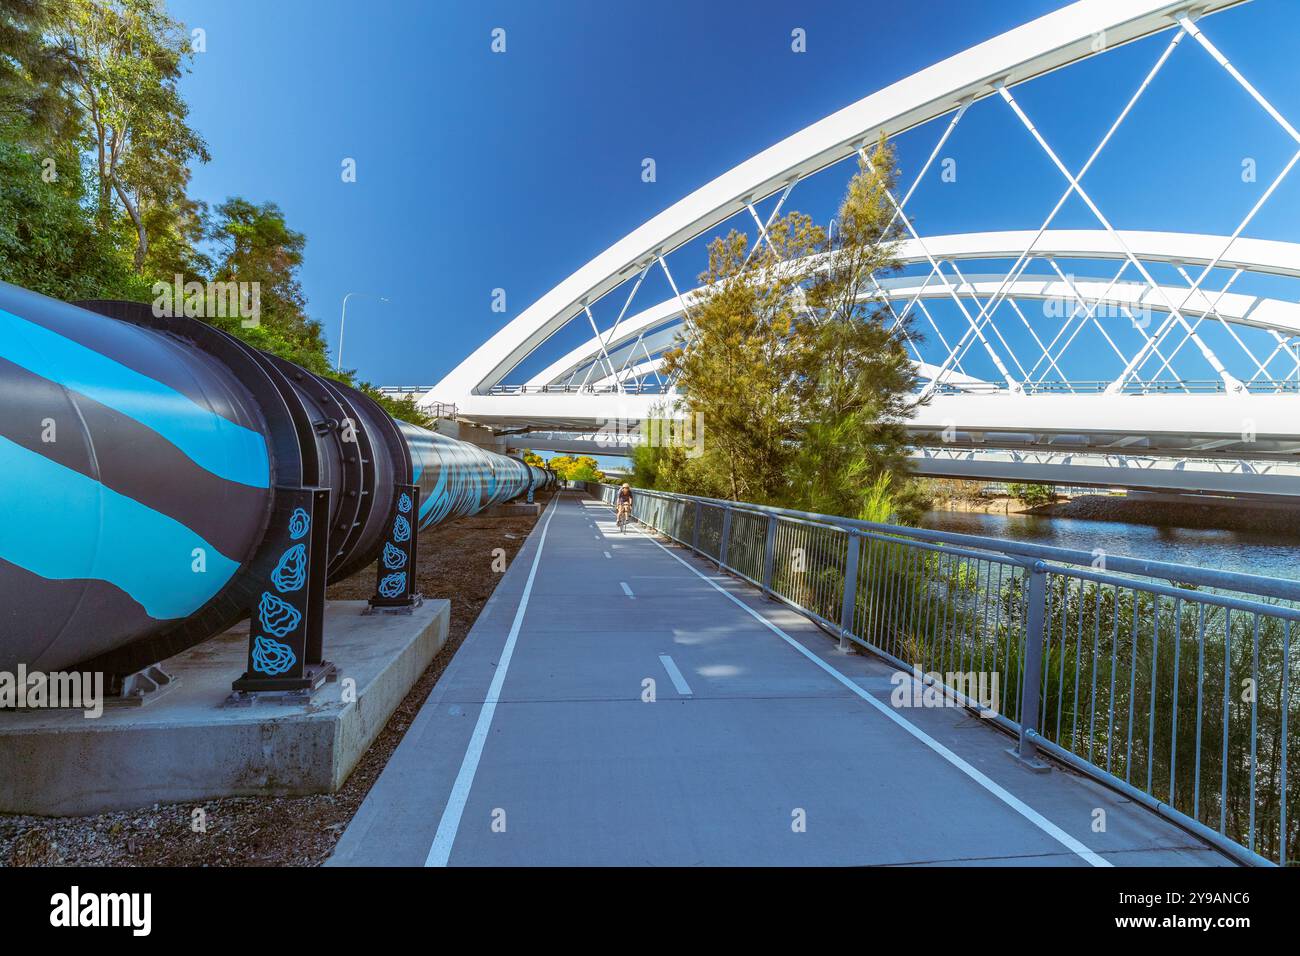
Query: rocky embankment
1271	519
1183	514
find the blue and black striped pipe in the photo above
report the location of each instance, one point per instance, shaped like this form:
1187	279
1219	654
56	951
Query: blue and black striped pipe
139	462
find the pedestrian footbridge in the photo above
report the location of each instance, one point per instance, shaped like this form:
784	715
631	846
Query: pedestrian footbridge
1087	335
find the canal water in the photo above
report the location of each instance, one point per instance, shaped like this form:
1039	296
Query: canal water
1251	552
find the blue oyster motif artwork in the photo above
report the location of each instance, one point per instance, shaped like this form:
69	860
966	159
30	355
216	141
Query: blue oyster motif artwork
299	523
278	617
394	558
404	503
401	529
392	585
272	657
291	570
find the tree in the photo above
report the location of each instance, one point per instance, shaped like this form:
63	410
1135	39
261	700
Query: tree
404	409
47	243
33	102
532	458
803	383
1031	495
256	247
580	468
98	79
737	360
126	57
855	381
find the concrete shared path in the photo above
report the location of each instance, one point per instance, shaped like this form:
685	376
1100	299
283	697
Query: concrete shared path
619	702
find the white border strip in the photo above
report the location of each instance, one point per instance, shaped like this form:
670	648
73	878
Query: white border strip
448	826
1015	803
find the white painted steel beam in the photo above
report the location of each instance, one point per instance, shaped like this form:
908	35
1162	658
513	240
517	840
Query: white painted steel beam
1264	256
1183	476
1049	43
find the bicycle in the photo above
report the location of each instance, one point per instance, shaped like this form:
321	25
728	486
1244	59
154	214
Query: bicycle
624	514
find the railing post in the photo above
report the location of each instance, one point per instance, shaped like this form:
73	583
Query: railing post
769	554
726	535
849	605
1026	751
695	532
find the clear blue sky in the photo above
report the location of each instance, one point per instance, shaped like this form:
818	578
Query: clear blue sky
477	170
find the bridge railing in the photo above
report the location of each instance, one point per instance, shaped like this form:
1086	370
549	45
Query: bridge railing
1168	682
1256	386
629	388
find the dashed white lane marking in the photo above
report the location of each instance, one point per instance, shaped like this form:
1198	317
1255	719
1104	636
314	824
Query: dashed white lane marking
675	676
626	590
1012	801
608	555
450	822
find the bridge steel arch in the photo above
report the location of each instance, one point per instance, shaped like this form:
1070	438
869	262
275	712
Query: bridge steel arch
1256	256
1034	49
978	417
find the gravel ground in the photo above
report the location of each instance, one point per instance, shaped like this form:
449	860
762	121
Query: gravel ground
455	563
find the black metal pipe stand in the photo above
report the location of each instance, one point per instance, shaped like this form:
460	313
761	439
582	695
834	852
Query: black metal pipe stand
395	585
286	627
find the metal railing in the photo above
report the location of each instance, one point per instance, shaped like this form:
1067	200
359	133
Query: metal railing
1259	386
630	388
1168	682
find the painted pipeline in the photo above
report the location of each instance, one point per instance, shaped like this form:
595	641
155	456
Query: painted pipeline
139	462
458	479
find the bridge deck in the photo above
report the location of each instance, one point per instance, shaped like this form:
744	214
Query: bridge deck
758	723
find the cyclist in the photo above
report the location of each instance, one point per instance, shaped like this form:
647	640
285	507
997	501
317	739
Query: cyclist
624	502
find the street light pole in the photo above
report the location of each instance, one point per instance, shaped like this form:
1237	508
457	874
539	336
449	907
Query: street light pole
338	365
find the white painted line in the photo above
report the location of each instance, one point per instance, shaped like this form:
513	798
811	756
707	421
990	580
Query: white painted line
626	590
675	676
1014	802
440	851
608	555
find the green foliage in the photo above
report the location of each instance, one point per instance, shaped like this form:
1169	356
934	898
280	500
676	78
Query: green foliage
47	242
580	468
878	505
95	155
802	381
256	245
1032	495
403	409
737	360
126	59
668	467
855	380
33	73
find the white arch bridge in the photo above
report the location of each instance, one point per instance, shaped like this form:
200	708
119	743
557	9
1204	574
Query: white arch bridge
1154	359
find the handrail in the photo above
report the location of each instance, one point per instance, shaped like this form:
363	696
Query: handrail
1280	588
1112	664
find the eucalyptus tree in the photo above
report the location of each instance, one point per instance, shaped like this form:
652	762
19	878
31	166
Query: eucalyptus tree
126	58
797	365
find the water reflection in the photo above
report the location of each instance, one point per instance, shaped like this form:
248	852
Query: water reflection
1253	552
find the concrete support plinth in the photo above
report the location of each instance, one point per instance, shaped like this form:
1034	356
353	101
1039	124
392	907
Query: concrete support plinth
188	746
